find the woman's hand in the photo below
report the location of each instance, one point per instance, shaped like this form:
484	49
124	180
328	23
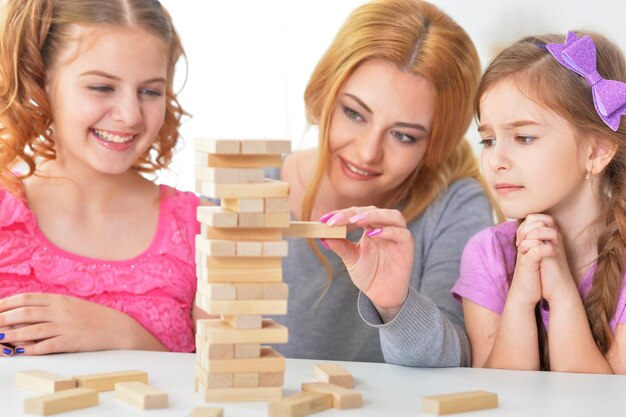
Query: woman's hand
380	263
50	323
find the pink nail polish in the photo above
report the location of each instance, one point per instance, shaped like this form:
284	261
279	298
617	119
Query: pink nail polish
336	219
324	244
358	217
326	216
375	232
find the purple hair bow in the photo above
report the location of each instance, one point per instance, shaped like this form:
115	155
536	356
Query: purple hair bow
579	55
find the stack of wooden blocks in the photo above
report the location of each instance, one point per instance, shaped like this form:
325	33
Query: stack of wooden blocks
239	268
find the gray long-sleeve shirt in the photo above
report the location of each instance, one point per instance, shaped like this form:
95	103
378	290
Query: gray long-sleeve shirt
428	331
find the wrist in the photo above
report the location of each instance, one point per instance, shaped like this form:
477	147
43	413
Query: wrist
388	313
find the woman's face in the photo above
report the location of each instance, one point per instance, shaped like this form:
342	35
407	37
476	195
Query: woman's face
379	132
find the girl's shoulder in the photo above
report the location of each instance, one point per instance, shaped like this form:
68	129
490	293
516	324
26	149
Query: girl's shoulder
14	210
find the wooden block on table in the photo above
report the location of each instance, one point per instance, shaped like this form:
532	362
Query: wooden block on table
237	161
249	248
279	248
62	401
301	404
265	147
343	398
106	381
269	361
141	395
43	381
207	412
241	394
244	205
333	374
248	350
280	220
246	380
217	331
213	380
277	205
217	146
241	307
216	216
271	379
315	230
269	188
459	402
244	321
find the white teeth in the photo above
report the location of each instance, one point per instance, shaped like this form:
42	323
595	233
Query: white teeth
110	137
357	171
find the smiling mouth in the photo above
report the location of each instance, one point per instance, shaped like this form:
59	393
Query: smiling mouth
112	137
358	171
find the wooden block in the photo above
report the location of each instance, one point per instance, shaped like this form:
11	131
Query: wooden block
244	205
301	404
315	230
244	321
217	291
267	189
207	412
269	361
277	219
254	263
265	147
215	350
214	380
249	291
343	398
215	247
251	220
218	175
241	307
62	401
277	205
106	381
248	350
237	161
271	379
217	331
249	248
279	291
43	381
141	395
241	233
239	276
215	216
333	374
459	402
242	394
276	248
246	380
217	146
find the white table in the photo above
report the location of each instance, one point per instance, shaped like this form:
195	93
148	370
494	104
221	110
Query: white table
388	390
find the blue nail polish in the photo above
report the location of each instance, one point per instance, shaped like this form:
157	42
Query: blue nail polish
19	350
7	351
1	336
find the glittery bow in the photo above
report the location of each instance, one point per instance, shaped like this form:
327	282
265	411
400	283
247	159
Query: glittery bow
579	55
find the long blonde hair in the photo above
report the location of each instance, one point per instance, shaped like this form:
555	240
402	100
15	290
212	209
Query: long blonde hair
539	75
418	38
32	35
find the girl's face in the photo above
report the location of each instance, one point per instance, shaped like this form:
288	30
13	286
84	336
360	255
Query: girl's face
379	131
530	158
107	93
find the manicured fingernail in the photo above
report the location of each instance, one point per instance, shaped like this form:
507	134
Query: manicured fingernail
326	216
7	351
375	232
357	218
1	336
19	350
335	219
324	244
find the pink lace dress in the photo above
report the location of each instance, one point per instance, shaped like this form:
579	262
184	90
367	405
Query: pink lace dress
156	288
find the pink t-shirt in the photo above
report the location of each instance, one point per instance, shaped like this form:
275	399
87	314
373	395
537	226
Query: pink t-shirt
488	263
156	288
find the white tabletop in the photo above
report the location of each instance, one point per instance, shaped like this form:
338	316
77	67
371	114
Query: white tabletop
388	390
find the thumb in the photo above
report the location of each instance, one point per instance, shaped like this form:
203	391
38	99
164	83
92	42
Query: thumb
346	250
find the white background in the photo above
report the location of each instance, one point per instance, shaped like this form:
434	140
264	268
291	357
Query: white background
249	60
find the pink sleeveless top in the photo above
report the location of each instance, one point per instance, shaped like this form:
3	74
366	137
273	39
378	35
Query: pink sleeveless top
156	288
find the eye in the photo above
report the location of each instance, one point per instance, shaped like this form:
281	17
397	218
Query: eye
524	139
487	142
403	137
100	88
353	114
151	92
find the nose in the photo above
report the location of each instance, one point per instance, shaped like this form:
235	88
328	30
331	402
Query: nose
127	110
499	156
369	146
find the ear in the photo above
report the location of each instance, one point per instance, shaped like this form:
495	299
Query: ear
600	153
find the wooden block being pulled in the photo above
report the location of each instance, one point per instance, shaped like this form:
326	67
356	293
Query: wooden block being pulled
343	398
459	402
315	230
207	412
141	395
333	374
301	404
106	381
43	381
62	401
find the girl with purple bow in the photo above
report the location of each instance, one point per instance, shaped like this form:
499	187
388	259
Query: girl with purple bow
546	291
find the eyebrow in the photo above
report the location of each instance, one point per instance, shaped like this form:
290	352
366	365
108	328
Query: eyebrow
513	125
398	124
116	78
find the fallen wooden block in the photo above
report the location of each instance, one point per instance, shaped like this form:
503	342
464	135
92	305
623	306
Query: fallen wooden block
106	381
459	402
141	395
62	401
301	404
314	230
343	398
43	381
207	412
333	374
